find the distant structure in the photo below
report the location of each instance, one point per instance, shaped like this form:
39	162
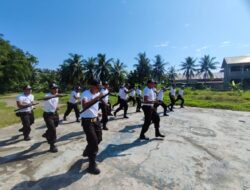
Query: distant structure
236	69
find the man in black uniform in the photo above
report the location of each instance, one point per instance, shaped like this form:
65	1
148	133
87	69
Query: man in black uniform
132	94
149	111
51	116
104	105
73	103
123	101
91	124
25	113
138	99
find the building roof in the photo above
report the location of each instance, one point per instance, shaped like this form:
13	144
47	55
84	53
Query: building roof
236	60
219	75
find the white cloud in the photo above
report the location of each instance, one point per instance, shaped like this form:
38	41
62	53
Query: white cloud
198	50
225	44
162	45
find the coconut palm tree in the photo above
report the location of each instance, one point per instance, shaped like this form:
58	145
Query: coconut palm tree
158	68
118	74
172	73
143	68
90	68
207	64
189	68
72	70
103	67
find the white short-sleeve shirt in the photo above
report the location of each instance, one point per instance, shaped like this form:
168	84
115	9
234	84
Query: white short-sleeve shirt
105	91
25	99
72	98
51	104
150	94
138	92
181	92
91	112
132	93
172	91
160	95
123	94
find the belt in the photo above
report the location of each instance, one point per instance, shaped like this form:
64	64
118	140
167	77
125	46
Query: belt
50	113
92	120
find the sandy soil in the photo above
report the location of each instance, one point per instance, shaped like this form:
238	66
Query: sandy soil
203	149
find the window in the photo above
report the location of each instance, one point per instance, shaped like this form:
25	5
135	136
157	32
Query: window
247	68
235	68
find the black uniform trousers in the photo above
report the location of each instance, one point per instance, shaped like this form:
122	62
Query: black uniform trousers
71	106
118	101
179	97
131	98
150	116
104	107
123	105
172	99
52	121
163	105
93	132
138	101
27	119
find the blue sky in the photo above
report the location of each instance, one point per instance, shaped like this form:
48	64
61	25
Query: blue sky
50	29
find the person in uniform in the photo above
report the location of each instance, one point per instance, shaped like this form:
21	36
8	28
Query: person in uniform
73	104
51	116
160	97
172	94
26	113
91	124
180	96
123	101
138	99
132	95
150	113
104	105
118	98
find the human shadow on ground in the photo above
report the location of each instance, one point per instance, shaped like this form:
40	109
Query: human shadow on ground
56	182
23	155
116	150
14	139
130	128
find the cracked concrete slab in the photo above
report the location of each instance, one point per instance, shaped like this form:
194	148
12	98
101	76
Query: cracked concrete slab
203	149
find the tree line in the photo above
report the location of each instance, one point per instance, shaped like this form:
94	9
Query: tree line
18	68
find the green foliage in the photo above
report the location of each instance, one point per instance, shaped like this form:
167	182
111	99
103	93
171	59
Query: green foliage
189	68
236	88
207	64
159	70
16	67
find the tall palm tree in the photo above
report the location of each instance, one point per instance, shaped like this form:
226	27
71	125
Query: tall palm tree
172	74
72	70
143	68
118	74
103	67
90	68
189	68
159	68
207	64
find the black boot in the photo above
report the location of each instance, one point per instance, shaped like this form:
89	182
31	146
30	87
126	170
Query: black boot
27	138
93	169
105	127
158	134
53	148
64	118
85	153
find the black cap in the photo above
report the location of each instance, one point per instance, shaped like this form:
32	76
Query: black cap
150	81
94	82
27	87
77	88
53	86
105	83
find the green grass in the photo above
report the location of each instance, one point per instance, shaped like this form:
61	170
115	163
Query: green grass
195	98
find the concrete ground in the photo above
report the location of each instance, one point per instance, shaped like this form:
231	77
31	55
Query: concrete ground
203	149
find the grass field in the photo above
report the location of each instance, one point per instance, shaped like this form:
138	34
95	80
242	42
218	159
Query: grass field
195	98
